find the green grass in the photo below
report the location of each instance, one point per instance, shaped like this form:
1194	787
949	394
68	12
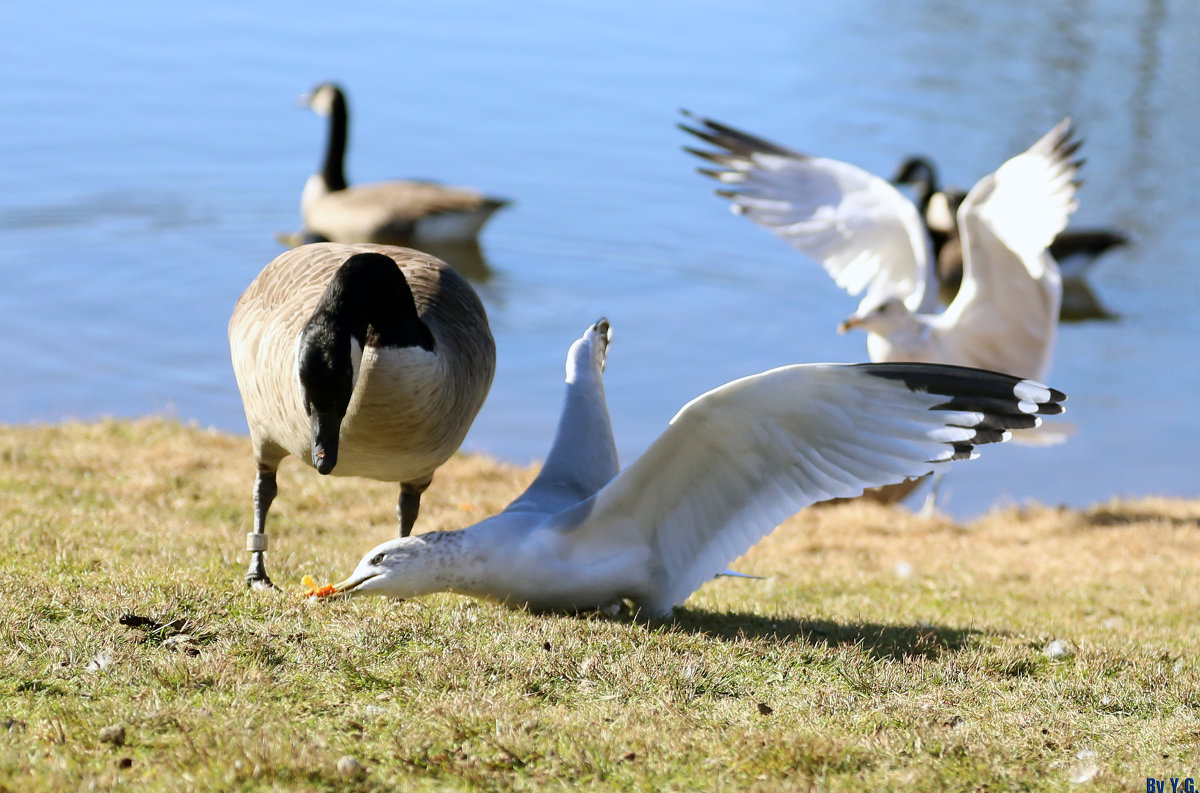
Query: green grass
840	671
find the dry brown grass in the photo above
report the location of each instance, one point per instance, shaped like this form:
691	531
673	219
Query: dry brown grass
883	651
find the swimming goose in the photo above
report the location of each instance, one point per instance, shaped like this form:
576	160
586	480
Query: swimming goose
400	212
1074	250
870	238
731	466
360	360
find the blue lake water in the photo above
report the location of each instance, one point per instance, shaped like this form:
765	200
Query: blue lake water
148	155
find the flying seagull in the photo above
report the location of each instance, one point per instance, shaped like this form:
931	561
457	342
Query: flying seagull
871	239
1074	250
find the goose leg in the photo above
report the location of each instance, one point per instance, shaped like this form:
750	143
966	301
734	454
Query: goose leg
409	505
265	490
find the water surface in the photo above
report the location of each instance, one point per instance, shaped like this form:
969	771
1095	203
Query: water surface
150	154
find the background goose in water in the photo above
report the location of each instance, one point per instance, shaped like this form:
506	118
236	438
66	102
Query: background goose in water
1074	250
870	238
360	360
401	212
731	466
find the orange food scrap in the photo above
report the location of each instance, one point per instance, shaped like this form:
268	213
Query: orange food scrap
314	591
466	506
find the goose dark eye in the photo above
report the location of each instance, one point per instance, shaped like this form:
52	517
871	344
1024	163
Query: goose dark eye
378	558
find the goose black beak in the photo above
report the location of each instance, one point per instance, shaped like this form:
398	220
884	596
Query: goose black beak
326	427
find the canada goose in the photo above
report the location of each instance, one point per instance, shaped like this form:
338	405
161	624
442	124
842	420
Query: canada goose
731	466
1074	250
360	360
870	237
400	212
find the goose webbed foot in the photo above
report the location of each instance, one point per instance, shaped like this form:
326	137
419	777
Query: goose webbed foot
256	574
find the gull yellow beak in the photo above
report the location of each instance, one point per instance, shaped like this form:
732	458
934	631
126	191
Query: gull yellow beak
349	586
849	323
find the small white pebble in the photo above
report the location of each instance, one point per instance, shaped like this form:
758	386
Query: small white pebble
1058	649
1085	767
102	661
349	766
181	643
114	734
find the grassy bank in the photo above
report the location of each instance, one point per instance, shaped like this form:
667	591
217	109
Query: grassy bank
1033	649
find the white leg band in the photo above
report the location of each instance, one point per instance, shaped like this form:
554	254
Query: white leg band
256	541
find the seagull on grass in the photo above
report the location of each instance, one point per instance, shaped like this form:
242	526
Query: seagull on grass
732	465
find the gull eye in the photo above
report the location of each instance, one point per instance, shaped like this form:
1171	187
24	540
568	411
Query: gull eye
378	558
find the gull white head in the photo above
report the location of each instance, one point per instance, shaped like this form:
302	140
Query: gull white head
401	568
887	318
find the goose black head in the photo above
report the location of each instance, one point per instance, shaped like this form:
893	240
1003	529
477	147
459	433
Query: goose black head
326	374
916	170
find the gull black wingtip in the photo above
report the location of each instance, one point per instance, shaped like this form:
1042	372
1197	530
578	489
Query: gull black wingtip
1050	409
712	156
1008	402
708	137
1069	147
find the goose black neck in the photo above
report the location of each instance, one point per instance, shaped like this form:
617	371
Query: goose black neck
335	148
369	299
921	174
